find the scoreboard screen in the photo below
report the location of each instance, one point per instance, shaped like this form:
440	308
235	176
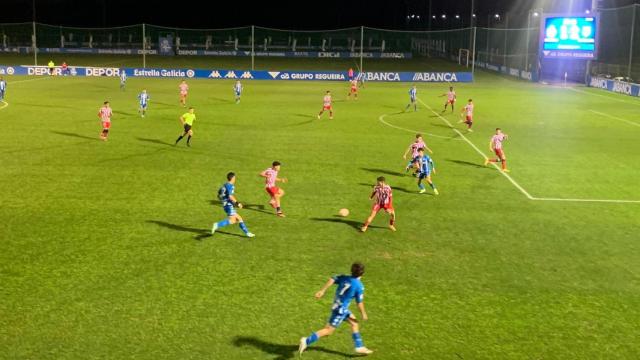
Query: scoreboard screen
569	37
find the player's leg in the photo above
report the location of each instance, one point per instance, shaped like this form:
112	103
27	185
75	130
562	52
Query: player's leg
433	186
503	159
189	137
358	343
392	219
277	196
243	226
372	216
331	114
321	112
420	184
315	336
452	104
184	132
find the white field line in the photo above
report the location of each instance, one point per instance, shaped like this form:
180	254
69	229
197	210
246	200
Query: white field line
604	96
4	104
615	118
382	120
522	190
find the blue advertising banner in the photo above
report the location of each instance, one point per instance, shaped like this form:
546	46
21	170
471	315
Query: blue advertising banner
619	87
244	74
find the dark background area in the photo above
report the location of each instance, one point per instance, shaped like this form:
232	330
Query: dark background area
297	15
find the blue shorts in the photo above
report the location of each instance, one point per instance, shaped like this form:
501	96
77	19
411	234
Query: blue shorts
412	99
424	175
230	210
143	106
338	316
238	93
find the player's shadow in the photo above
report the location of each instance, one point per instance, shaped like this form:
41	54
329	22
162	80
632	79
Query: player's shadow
200	234
394	188
466	163
340	220
75	135
383	171
251	207
282	351
155	141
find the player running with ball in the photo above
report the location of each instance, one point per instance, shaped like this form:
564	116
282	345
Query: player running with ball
348	288
276	193
382	200
226	194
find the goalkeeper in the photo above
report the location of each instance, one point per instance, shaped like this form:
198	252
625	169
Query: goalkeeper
226	194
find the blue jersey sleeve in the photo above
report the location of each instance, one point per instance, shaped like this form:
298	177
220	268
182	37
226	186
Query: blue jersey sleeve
359	293
230	189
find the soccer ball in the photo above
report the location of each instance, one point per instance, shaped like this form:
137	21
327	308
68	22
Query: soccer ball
343	212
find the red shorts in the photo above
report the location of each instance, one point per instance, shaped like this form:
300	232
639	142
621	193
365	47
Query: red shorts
273	190
354	90
451	101
499	153
183	94
106	124
388	207
327	107
469	118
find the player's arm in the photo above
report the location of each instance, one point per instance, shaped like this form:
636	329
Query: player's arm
282	180
433	166
264	174
327	285
406	153
491	145
235	201
182	120
363	312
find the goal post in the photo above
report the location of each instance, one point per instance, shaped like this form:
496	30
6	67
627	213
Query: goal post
463	57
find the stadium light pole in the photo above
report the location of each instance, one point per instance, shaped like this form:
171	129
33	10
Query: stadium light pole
361	46
534	13
633	26
253	42
506	32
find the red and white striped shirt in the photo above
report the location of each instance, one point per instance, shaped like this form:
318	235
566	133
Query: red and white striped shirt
469	109
105	114
382	194
451	95
327	100
497	141
271	176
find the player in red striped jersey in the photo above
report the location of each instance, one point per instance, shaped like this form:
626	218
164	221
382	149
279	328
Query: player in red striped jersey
326	105
353	90
382	200
276	193
496	146
105	114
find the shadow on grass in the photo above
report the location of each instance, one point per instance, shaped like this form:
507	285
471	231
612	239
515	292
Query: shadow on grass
442	126
340	220
200	233
394	188
251	207
75	135
383	171
282	351
155	141
467	163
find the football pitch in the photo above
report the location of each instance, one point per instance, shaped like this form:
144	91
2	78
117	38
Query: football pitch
105	249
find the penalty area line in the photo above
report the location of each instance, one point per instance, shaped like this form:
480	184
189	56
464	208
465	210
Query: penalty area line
522	190
615	118
382	117
518	186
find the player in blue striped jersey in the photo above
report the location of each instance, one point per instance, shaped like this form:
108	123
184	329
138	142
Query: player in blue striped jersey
413	99
3	88
123	79
348	288
144	102
237	90
425	168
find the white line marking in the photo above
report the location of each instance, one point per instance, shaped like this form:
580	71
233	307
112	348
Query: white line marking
522	190
615	118
604	96
27	80
381	119
5	104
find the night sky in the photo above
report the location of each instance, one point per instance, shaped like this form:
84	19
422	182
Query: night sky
390	14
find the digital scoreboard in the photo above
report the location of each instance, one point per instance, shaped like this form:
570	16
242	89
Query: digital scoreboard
569	37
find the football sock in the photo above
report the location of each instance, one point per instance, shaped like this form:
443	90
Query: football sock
179	138
504	164
312	338
278	209
433	186
223	223
189	139
421	186
357	340
243	227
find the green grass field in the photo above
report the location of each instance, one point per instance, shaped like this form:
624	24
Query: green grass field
104	252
